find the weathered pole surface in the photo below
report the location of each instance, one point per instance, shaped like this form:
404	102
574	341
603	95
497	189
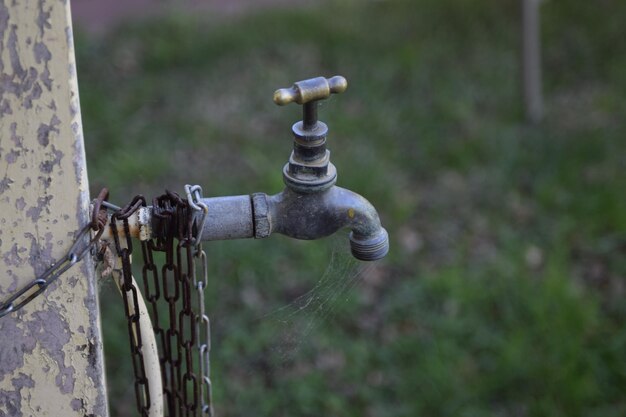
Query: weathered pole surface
531	61
51	351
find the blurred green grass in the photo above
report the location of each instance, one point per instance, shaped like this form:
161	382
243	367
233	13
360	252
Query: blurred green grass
503	293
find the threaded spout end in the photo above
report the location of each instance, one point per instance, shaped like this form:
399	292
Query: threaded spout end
370	248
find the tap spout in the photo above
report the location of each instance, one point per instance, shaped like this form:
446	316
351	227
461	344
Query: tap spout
305	216
315	215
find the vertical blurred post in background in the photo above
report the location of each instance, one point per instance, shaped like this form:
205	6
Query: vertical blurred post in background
531	60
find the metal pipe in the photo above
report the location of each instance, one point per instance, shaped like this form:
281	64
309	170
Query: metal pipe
228	218
292	213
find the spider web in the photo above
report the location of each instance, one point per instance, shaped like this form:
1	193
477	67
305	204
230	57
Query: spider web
296	323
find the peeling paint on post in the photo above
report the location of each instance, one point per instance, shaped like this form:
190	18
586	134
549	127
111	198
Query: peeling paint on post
50	351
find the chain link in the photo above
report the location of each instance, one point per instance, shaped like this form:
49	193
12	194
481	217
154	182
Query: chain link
203	337
186	331
75	254
203	323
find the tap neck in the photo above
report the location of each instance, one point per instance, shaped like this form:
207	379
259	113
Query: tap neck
309	168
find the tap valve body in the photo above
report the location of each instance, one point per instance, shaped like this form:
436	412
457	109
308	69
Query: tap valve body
309	168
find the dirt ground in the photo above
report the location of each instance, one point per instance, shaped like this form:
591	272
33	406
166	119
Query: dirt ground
97	16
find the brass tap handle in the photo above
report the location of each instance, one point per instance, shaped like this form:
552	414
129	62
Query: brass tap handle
310	90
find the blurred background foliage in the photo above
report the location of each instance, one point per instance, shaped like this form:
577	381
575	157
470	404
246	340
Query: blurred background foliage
503	294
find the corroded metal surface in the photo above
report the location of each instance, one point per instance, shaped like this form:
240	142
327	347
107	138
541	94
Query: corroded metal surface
50	352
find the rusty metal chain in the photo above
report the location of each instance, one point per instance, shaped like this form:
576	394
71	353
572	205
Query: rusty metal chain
184	330
152	293
179	321
131	302
75	254
163	228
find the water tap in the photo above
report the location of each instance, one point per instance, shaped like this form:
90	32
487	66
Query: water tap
311	206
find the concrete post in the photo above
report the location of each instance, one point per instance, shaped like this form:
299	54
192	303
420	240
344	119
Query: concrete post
51	351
